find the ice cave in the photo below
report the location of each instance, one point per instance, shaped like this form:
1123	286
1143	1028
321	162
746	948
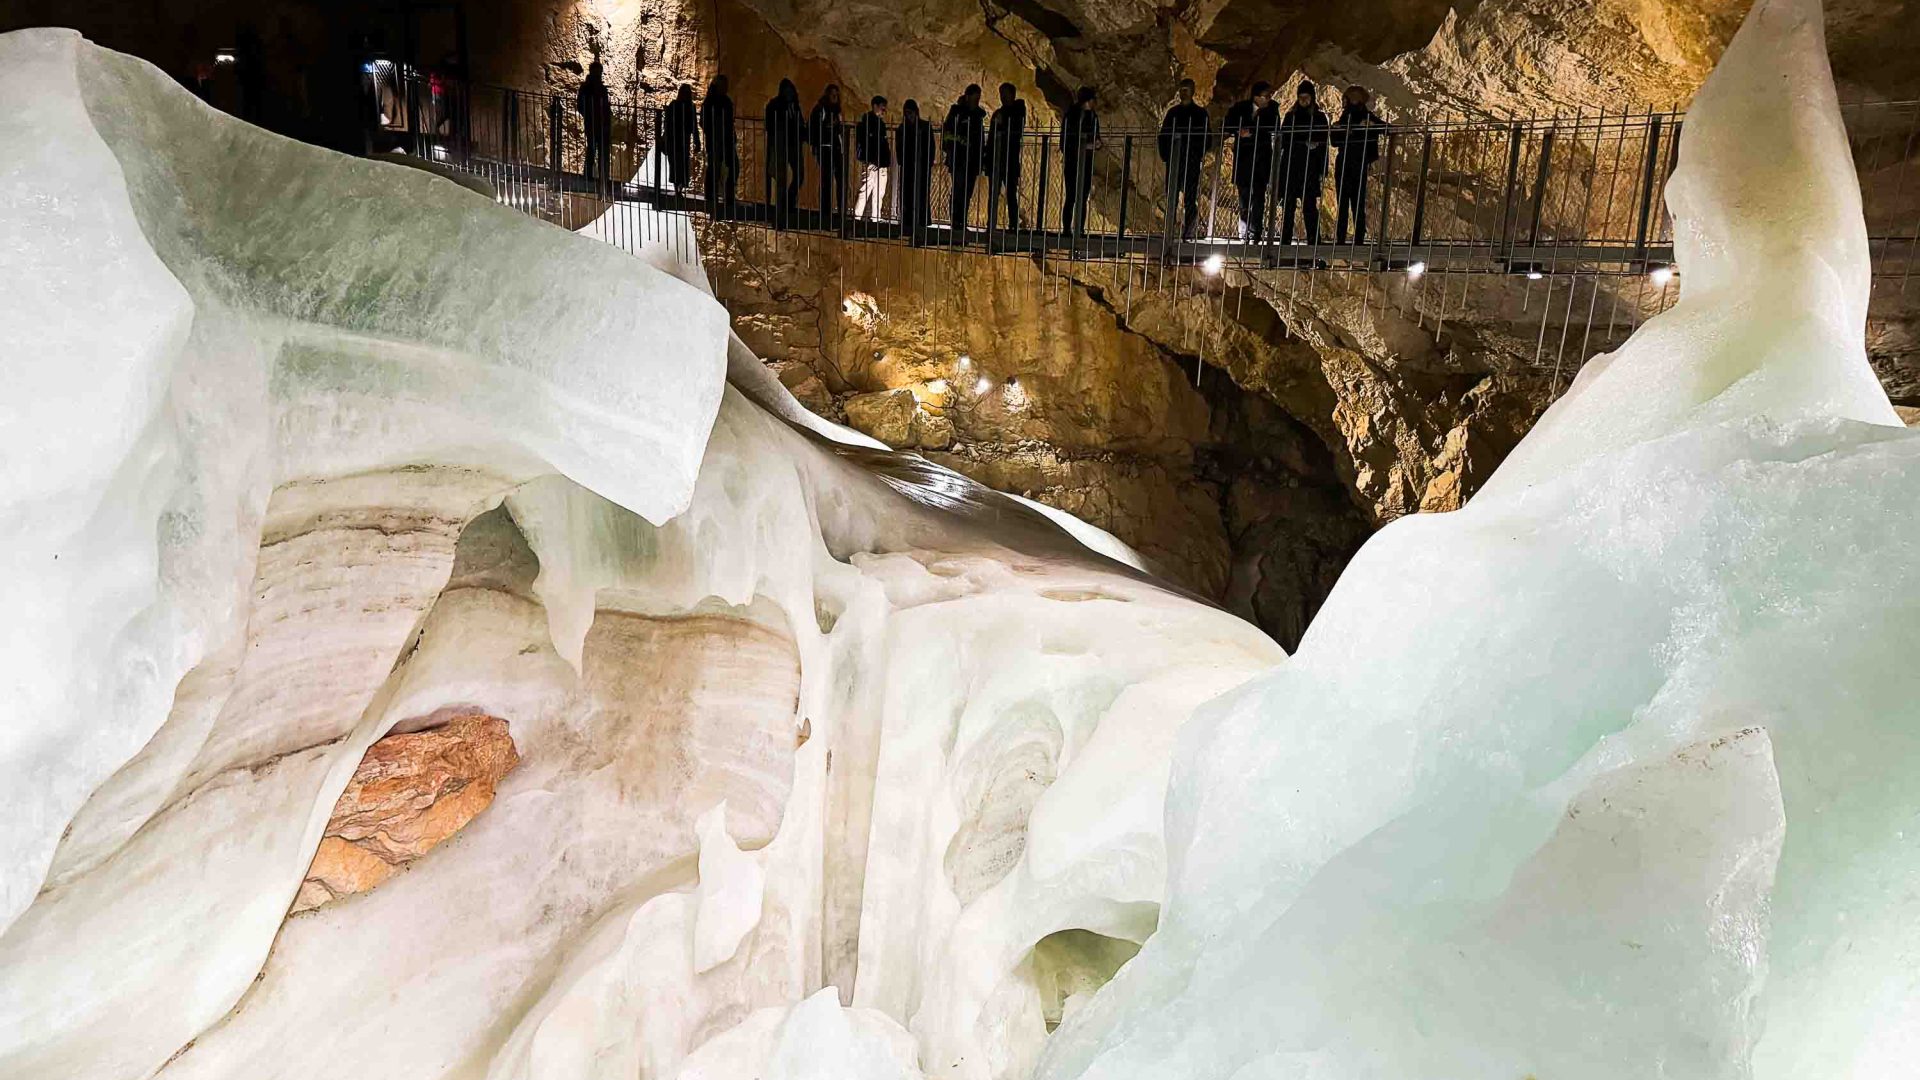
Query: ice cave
524	567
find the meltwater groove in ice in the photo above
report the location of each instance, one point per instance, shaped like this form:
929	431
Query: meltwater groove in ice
1614	771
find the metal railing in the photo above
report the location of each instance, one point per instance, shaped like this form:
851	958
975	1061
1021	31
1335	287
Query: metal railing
1568	195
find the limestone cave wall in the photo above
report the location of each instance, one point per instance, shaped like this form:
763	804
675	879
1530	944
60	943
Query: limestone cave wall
1243	434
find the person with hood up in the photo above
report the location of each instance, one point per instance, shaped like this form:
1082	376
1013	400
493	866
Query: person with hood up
1304	134
1252	123
786	141
680	130
723	148
914	145
824	132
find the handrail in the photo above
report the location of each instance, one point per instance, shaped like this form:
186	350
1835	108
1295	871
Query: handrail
1577	194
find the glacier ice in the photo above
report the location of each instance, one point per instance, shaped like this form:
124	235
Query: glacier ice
1609	773
350	449
835	764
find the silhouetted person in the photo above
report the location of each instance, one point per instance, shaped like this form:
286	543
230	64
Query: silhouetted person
823	131
596	116
1005	133
1303	163
680	124
1356	135
963	146
876	161
786	143
914	144
1183	144
723	148
1079	137
1253	122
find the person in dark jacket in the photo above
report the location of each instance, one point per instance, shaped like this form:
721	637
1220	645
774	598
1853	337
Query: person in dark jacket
1252	123
876	161
1183	144
680	130
963	148
1079	138
1005	133
786	142
723	148
596	116
914	144
1356	135
1303	163
830	153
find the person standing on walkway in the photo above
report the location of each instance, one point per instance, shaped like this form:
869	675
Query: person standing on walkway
1253	122
596	116
723	149
914	144
963	146
786	141
1005	134
824	132
1079	138
1183	144
876	161
1356	135
1304	134
680	129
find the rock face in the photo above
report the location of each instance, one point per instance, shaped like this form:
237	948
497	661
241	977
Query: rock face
409	793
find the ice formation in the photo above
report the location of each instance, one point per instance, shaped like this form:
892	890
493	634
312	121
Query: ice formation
1610	773
819	745
833	764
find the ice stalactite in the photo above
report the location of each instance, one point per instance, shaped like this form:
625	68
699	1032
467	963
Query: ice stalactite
1609	773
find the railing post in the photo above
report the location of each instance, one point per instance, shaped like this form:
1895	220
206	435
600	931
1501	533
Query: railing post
412	80
1126	186
1381	230
1040	212
1420	188
846	177
1541	175
1506	202
659	137
1646	192
556	121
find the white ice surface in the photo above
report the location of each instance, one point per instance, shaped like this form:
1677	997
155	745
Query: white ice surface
1611	773
284	439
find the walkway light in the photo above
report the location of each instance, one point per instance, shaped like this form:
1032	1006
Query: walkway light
938	386
966	362
1534	275
1661	275
983	385
224	56
1414	270
1215	263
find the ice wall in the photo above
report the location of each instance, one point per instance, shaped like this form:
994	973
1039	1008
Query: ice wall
1612	772
342	450
199	310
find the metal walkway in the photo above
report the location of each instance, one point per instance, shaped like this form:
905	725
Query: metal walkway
1533	197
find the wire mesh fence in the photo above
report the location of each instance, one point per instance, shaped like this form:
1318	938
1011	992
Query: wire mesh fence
1577	194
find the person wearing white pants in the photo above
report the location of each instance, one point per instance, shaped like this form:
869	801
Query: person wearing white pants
875	154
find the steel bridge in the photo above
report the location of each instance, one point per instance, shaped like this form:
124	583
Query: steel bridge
1568	195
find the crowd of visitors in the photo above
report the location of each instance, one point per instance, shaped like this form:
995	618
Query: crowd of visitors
1277	160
